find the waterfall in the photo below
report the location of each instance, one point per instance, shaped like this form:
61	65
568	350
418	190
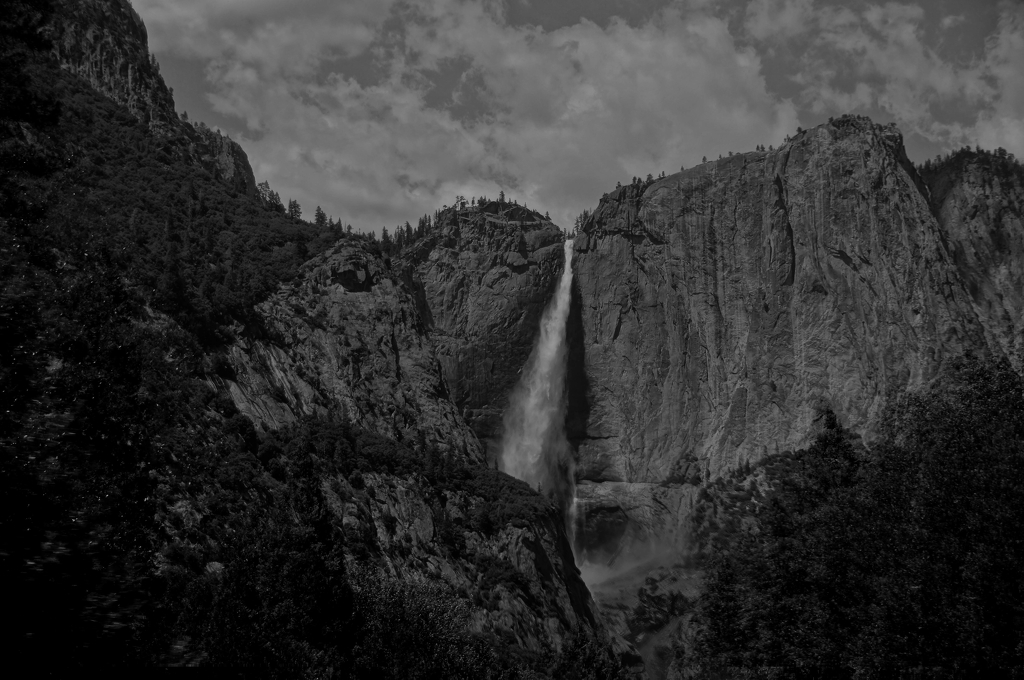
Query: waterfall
534	447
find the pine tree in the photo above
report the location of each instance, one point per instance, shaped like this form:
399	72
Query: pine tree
320	217
294	209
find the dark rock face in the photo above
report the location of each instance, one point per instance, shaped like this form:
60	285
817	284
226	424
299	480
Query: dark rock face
485	280
980	209
721	307
105	43
398	515
223	158
347	341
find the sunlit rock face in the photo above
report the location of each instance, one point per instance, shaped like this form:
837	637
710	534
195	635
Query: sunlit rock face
485	276
718	309
346	341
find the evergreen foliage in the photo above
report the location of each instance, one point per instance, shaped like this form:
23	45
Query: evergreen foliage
901	558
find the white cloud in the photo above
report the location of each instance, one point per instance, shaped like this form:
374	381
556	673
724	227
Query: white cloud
878	59
952	21
562	115
778	19
285	36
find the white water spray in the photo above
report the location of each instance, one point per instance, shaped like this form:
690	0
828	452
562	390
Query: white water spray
534	447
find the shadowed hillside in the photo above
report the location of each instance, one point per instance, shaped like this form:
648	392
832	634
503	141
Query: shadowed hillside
146	520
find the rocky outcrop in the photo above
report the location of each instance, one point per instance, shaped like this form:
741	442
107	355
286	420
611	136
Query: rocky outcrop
485	275
720	308
105	43
539	600
346	341
223	158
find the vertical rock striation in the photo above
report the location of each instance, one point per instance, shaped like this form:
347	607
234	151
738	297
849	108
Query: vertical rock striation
721	307
105	43
978	200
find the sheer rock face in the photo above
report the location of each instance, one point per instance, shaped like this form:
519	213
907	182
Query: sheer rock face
980	209
719	308
485	279
347	341
106	43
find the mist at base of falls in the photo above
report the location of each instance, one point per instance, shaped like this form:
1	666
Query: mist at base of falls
534	447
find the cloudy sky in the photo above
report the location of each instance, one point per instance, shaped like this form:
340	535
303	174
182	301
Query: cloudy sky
384	110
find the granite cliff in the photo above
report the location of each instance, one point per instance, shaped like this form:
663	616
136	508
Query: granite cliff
106	43
345	340
484	276
978	200
720	308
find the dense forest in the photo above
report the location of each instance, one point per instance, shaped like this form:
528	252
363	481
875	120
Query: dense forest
902	556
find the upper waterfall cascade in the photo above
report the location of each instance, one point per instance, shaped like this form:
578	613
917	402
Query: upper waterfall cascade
534	447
